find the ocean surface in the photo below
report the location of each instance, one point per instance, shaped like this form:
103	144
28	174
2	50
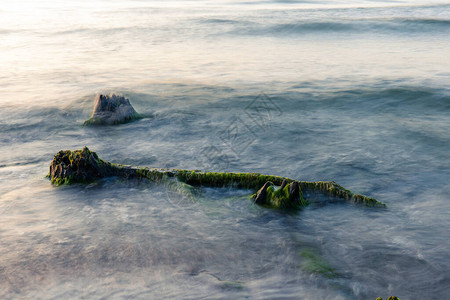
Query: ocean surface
351	91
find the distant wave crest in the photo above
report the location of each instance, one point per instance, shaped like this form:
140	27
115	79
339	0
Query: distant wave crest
388	26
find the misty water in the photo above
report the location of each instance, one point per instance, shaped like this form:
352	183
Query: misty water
352	92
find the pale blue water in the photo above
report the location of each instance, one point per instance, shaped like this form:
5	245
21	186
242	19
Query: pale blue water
356	93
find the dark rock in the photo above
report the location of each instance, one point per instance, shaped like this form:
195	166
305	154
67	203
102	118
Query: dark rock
74	166
283	184
84	166
261	195
110	110
294	192
287	196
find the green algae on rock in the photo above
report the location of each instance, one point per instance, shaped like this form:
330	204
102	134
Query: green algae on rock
390	298
313	263
287	196
83	166
112	110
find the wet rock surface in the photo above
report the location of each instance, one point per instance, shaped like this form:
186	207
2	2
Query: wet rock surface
83	166
74	166
261	195
286	196
112	110
294	192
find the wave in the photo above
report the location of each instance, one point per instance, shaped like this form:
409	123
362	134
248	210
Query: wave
220	21
437	98
434	22
100	31
313	27
357	26
276	26
5	31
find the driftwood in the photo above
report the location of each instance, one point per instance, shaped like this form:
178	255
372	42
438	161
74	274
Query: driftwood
84	166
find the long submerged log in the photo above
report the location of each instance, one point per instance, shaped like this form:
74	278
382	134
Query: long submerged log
84	166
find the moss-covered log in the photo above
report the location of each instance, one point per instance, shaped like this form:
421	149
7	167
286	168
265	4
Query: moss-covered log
82	166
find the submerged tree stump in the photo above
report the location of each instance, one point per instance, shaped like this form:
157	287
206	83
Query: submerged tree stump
84	166
111	110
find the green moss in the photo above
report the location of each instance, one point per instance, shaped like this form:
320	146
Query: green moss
214	179
279	198
142	172
57	181
181	188
64	181
366	201
92	121
312	263
235	285
333	189
131	118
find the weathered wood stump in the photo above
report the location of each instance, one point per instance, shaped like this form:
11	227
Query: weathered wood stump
111	110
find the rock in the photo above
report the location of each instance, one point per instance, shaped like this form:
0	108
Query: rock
287	196
83	166
111	110
261	195
283	184
294	192
74	166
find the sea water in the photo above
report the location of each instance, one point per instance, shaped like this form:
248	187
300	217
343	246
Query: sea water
356	92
